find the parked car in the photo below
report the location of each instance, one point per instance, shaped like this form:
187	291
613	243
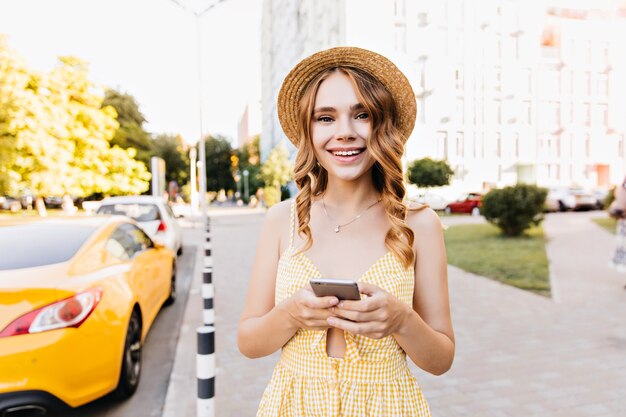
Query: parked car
433	200
152	214
77	298
466	203
10	203
569	198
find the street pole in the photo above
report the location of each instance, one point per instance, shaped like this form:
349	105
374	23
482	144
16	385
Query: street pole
193	155
201	144
245	184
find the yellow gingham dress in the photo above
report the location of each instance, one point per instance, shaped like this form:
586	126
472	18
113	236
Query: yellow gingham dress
372	379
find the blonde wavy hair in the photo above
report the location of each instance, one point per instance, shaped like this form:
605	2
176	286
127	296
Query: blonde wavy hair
386	146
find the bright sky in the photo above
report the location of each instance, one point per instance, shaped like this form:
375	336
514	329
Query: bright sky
149	49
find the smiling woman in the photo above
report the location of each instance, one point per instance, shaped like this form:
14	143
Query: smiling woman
349	111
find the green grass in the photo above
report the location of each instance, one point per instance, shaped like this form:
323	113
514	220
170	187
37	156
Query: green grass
481	249
607	222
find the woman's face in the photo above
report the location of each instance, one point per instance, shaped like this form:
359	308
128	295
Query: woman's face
340	129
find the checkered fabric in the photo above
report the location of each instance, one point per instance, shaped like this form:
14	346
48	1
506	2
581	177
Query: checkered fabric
372	379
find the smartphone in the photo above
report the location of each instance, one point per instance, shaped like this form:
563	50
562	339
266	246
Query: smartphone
343	289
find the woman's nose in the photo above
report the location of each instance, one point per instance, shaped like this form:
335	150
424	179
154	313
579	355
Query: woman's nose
345	129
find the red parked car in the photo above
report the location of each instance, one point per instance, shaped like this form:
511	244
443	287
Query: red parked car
467	203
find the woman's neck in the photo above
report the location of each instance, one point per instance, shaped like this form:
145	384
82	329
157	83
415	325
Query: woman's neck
350	196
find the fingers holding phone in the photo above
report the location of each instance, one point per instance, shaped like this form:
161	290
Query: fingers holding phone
377	316
309	311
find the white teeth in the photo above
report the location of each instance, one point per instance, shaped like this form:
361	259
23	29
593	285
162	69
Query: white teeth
347	153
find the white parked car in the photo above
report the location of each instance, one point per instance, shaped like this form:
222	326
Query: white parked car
570	198
152	214
433	200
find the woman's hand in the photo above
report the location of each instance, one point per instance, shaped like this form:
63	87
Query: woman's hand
308	311
377	316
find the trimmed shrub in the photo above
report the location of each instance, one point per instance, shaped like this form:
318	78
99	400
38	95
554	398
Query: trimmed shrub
515	208
427	172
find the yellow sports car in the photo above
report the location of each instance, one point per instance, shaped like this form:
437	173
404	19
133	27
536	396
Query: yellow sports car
77	298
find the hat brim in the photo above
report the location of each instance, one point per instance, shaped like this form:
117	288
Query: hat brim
377	65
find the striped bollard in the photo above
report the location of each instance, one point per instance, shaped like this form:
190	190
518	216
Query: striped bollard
208	315
205	371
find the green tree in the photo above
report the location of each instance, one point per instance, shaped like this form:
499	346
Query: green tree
57	133
218	164
428	173
515	208
176	156
250	160
130	133
276	172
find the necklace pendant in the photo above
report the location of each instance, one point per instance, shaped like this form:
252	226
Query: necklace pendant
337	229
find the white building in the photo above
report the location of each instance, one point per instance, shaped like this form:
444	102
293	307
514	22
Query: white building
490	96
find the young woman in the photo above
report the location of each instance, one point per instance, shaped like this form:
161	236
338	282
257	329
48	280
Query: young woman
349	111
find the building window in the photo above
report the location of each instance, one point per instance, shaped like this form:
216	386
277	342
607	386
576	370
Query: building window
498	111
460	110
498	138
497	78
588	145
527	80
601	116
442	144
587	82
551	82
526	116
458	78
551	114
602	84
587	114
460	139
516	144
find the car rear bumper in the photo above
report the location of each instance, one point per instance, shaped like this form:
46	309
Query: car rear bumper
74	365
31	403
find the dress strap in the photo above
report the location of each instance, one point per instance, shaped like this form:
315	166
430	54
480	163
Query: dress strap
292	222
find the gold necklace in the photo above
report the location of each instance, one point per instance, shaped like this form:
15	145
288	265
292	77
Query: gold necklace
339	226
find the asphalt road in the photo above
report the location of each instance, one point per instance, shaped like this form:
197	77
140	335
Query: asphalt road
158	356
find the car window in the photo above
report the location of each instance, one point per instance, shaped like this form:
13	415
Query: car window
31	245
120	244
138	212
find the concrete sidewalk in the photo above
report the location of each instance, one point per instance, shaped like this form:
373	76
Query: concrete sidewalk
518	354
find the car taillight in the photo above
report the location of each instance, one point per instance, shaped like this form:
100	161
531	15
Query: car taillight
71	312
162	227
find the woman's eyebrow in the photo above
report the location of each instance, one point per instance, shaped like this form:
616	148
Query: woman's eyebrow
357	106
324	110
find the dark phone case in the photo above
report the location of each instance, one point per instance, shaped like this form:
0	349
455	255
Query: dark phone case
343	290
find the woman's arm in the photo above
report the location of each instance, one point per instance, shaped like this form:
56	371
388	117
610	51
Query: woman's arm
423	330
264	328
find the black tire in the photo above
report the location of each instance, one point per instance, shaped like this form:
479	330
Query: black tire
131	360
180	250
172	297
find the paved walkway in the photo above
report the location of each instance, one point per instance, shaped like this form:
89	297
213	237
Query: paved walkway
518	354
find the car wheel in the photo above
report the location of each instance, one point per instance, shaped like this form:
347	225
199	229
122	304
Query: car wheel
179	251
172	297
131	359
447	210
475	211
562	206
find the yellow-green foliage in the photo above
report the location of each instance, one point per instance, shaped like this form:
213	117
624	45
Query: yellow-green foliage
54	137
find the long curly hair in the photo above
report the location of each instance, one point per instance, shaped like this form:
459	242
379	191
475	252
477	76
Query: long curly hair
386	145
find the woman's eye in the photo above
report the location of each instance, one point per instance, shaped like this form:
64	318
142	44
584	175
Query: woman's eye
325	119
362	116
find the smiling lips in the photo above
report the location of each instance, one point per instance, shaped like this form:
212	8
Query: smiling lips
346	155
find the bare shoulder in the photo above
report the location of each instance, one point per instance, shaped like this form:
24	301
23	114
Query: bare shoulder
423	220
279	213
277	223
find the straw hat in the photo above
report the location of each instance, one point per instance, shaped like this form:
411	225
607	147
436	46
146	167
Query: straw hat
377	65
